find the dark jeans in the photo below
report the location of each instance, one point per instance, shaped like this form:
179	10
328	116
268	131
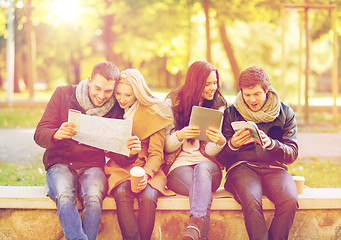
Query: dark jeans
198	182
63	186
249	183
132	228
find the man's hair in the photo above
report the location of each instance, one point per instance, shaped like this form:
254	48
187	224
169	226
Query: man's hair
107	70
252	76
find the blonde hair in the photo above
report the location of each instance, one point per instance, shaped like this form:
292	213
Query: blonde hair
143	94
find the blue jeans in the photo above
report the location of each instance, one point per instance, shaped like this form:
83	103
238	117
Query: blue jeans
91	185
132	228
249	183
198	182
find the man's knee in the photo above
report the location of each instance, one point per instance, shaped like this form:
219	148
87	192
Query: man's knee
290	202
248	197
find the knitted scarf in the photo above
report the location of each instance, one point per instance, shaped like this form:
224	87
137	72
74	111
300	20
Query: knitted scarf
82	95
268	113
130	112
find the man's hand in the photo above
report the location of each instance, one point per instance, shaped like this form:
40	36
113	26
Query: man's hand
187	132
216	136
265	139
240	137
65	131
134	145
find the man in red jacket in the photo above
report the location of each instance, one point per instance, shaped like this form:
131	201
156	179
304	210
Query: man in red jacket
75	169
256	169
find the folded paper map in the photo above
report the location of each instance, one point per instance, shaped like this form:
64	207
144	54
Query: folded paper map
104	133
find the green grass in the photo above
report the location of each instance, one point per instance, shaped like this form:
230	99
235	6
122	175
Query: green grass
39	96
22	175
318	173
322	173
20	117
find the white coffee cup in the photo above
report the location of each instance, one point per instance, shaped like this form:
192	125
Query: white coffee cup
136	175
299	180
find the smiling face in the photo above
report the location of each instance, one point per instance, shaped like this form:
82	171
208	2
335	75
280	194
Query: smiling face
124	95
210	87
100	90
255	97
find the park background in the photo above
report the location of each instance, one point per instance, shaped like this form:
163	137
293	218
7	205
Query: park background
52	43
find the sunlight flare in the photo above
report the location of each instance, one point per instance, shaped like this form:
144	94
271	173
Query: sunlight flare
66	10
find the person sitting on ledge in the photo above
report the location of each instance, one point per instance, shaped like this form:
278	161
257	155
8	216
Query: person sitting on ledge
254	169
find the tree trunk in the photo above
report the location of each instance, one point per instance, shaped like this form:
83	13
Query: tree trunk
17	70
108	37
30	41
206	6
230	55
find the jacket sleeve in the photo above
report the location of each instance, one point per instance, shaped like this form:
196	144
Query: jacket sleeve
50	121
286	149
155	156
228	132
171	141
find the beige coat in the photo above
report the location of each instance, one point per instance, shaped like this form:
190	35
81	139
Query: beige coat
150	128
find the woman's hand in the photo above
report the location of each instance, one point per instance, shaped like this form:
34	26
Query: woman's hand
240	137
216	136
65	131
143	183
187	132
134	145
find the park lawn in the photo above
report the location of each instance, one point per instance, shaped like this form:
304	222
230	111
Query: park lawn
318	173
20	117
322	173
22	175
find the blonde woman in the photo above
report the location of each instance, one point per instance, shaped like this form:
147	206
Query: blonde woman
150	117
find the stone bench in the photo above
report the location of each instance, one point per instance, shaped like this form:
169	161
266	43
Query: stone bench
26	212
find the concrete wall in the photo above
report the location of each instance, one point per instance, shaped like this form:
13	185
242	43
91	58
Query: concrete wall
17	224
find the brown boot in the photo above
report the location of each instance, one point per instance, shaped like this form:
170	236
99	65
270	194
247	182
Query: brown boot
192	231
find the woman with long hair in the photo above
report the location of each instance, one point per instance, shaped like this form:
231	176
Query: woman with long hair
193	170
150	117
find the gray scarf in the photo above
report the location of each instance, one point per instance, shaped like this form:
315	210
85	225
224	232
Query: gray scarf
82	95
268	113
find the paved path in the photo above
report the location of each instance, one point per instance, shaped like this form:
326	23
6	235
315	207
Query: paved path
17	145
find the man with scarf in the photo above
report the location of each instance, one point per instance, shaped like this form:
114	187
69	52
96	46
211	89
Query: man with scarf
254	170
75	169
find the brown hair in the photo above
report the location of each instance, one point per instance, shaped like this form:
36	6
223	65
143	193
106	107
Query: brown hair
188	95
252	76
107	70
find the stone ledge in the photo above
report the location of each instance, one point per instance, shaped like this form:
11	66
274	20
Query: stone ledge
26	212
13	197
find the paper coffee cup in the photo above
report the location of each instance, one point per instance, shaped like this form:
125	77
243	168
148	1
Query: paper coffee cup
299	180
136	175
